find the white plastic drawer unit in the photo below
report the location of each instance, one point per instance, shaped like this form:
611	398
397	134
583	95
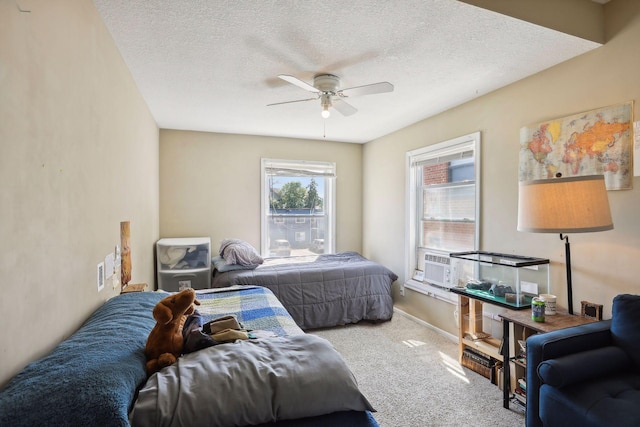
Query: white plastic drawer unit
174	281
184	263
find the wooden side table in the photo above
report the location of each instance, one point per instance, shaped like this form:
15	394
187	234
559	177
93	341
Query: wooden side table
526	326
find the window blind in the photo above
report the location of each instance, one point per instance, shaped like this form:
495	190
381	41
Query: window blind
429	158
300	169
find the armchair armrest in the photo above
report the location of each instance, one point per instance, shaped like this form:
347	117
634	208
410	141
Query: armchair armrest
587	365
556	344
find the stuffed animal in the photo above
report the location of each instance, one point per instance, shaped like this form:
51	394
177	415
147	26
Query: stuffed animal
165	342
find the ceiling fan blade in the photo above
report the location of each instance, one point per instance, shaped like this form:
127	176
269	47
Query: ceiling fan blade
344	107
371	89
290	102
296	81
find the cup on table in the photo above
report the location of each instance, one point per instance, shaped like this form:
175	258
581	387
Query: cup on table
537	309
549	304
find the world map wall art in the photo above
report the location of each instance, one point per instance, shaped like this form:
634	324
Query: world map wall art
597	142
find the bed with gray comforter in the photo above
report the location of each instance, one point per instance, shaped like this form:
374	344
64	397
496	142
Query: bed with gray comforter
333	289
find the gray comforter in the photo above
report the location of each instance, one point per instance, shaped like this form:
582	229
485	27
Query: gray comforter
248	383
335	289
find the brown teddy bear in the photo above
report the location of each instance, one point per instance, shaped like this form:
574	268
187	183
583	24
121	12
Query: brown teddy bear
165	342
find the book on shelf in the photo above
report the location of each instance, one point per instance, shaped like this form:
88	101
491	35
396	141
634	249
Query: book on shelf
521	404
520	392
481	363
477	357
520	397
522	383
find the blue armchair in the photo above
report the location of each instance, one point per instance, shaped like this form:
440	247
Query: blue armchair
587	375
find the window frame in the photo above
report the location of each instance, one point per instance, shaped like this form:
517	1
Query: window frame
307	168
414	211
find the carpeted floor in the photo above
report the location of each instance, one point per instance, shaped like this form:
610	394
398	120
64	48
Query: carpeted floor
411	375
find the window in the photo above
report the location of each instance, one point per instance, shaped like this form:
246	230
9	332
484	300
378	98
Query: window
298	205
443	182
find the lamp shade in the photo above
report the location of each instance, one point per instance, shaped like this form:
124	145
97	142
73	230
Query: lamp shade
564	205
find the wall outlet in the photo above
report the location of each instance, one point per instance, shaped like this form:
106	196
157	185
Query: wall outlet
402	289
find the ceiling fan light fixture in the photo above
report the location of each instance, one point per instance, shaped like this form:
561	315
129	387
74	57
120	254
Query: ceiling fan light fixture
325	112
326	103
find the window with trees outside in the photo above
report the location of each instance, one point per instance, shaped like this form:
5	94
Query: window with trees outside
298	207
443	182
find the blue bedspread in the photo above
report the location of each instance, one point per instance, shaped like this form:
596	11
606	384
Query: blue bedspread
89	379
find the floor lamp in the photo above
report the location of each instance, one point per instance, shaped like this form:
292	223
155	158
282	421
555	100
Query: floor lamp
564	205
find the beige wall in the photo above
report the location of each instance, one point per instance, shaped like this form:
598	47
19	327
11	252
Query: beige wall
210	184
604	264
79	154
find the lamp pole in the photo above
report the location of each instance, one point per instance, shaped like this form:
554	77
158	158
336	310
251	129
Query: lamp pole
567	255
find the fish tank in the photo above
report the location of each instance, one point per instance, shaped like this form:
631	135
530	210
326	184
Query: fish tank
507	280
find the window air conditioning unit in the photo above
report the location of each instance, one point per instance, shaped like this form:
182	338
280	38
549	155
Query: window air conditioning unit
437	270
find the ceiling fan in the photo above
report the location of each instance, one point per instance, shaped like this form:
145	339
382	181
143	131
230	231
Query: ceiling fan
327	90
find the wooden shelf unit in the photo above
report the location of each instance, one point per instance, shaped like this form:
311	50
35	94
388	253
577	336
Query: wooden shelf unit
470	333
517	325
523	327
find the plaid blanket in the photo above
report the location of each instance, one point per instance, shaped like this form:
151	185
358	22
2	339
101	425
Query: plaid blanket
257	308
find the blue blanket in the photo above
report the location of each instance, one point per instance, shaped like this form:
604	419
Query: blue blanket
91	378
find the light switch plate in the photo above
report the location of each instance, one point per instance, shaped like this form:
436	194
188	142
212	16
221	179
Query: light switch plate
109	265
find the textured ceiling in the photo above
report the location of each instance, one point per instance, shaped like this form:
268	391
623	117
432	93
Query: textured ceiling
211	65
